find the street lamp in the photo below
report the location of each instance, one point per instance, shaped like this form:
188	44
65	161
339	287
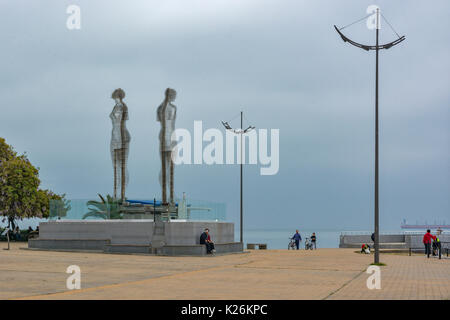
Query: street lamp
377	47
241	132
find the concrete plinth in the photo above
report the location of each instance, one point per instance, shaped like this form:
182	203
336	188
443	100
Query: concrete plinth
134	236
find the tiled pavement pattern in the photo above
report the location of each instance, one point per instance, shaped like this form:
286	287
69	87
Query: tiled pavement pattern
271	274
404	277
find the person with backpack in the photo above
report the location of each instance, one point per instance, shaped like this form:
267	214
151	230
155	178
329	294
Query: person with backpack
427	242
436	246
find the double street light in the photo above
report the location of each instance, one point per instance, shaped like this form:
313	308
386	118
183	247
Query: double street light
241	132
376	47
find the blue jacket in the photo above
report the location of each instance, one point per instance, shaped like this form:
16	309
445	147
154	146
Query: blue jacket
297	237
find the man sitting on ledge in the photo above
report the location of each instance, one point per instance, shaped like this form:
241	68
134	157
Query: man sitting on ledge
205	239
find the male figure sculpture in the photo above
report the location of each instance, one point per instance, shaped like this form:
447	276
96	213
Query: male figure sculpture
166	114
120	142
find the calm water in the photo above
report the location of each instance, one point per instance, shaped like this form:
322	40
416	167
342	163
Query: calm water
279	239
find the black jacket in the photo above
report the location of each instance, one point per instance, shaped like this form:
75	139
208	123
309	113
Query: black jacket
203	238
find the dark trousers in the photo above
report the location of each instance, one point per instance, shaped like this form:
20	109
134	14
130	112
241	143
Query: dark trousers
209	247
435	248
297	244
427	249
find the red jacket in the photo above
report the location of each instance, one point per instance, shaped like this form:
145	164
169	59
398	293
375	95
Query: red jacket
427	238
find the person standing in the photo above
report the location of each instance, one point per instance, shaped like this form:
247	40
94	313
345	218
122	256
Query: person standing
427	242
313	240
436	246
297	237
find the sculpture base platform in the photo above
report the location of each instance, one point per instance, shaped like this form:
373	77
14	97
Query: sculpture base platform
176	237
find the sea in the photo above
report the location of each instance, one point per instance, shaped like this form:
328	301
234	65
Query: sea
279	239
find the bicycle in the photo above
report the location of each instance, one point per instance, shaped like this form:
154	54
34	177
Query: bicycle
291	245
308	244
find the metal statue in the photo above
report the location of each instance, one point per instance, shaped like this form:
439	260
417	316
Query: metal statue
120	142
166	114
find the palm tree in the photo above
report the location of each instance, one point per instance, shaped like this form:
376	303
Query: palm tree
104	209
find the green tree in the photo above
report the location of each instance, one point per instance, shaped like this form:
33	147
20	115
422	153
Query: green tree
6	151
20	195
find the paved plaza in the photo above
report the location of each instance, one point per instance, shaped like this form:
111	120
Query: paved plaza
264	274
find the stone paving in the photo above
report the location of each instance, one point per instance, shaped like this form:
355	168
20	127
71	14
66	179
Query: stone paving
258	274
404	277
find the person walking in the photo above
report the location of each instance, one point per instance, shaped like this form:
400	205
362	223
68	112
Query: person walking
297	238
427	242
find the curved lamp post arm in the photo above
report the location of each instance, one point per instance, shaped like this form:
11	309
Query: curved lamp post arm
367	47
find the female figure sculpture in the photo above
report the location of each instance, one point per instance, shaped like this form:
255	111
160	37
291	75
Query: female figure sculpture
120	142
166	114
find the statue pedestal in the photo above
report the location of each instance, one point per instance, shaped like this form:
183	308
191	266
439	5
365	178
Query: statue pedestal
178	237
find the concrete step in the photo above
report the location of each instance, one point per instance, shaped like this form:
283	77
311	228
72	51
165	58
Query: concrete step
174	250
128	248
385	245
68	244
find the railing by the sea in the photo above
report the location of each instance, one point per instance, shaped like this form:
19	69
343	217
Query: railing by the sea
364	233
388	233
442	250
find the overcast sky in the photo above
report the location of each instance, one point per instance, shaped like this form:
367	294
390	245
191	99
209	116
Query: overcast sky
280	61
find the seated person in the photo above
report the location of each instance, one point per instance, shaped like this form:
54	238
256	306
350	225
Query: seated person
17	235
205	239
365	248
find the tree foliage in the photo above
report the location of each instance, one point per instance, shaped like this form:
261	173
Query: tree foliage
108	208
20	195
